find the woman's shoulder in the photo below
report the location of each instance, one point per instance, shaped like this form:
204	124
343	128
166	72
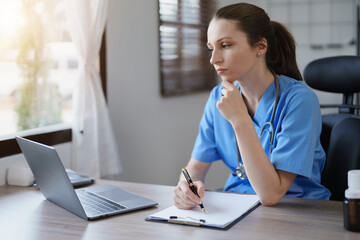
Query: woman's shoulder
292	88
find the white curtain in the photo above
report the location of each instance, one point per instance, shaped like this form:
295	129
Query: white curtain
94	147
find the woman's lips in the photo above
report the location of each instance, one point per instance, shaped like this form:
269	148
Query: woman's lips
220	70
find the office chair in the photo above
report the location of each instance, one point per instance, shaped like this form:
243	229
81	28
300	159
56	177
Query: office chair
339	74
343	155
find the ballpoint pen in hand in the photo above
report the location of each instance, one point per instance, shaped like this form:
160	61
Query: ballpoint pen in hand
192	187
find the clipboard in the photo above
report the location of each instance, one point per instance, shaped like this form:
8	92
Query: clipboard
223	211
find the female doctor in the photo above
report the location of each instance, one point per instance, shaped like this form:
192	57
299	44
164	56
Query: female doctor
262	121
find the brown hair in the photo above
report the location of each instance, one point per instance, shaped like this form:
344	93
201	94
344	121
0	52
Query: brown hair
281	54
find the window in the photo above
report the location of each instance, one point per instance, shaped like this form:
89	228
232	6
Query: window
38	65
184	57
38	71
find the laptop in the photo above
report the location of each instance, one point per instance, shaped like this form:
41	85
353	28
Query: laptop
88	203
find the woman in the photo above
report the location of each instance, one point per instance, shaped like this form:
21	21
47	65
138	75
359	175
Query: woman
261	83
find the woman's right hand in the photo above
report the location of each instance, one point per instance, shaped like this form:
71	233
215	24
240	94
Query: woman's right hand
184	198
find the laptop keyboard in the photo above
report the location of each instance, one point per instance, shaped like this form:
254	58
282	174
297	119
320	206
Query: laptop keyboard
94	204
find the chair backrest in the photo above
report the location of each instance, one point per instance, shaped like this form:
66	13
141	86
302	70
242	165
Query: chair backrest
343	155
340	74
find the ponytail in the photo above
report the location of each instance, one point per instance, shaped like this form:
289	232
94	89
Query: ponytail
281	54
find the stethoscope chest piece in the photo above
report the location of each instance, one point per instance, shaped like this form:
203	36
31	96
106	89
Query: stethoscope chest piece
240	171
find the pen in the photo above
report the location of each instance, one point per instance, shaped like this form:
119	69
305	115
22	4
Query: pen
192	187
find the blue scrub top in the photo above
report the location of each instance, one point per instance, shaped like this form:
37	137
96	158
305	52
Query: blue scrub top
296	148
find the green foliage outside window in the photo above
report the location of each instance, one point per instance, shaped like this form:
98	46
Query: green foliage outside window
39	103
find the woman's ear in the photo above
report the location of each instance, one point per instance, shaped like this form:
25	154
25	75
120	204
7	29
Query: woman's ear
261	46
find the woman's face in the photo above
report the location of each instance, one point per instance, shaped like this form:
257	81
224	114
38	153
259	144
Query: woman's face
231	55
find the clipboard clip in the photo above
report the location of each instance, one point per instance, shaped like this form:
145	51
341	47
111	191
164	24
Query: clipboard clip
186	220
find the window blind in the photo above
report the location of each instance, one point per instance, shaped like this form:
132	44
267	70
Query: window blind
184	57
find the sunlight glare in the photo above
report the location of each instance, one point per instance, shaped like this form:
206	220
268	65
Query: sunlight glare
10	16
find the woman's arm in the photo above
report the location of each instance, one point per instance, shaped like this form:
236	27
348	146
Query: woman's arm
269	184
184	198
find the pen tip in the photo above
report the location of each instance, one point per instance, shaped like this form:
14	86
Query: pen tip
203	210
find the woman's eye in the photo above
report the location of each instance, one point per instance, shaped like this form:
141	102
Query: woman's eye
225	45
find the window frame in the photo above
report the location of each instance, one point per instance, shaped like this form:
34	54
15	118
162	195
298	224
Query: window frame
48	135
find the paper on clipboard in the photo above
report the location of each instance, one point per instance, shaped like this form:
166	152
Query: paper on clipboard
222	209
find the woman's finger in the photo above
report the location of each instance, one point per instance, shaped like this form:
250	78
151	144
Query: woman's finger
188	193
200	188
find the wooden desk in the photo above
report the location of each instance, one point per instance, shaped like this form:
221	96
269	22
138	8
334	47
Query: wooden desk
25	214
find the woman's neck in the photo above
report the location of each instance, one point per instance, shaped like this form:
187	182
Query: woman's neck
254	87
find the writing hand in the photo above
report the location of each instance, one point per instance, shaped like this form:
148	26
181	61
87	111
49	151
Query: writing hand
184	198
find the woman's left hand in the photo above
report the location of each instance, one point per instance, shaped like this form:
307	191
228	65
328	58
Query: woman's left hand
231	105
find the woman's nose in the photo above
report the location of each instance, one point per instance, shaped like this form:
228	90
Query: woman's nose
215	57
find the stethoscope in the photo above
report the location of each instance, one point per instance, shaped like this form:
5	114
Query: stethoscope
240	170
